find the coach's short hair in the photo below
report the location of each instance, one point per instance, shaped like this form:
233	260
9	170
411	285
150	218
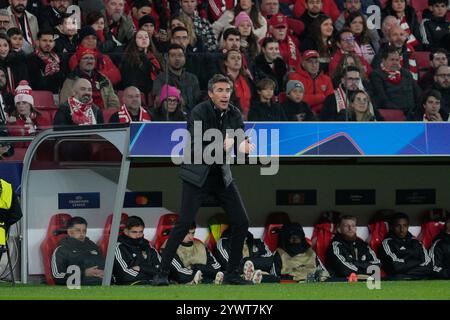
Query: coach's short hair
218	78
76	220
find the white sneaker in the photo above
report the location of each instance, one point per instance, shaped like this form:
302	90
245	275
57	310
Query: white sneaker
249	269
197	278
219	278
257	277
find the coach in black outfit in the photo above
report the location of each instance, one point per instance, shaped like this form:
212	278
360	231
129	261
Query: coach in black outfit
202	179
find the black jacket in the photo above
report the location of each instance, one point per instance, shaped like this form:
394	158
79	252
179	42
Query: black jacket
138	76
131	253
347	257
403	96
13	214
262	69
184	271
160	114
297	111
260	111
258	252
445	97
48	18
65	45
211	118
433	30
16	63
404	257
74	252
38	81
440	255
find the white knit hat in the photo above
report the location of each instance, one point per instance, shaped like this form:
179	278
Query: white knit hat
23	93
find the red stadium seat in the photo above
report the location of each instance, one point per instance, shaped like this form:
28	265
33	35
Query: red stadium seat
271	234
19	154
323	232
107	113
106	152
103	242
419	5
433	223
55	232
43	100
378	227
423	61
165	224
392	114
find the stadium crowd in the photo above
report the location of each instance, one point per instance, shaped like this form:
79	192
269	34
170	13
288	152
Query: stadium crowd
400	256
289	60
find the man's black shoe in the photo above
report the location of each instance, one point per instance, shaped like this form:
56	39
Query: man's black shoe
161	279
235	279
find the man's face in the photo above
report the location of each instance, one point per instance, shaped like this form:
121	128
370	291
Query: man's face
439	10
176	59
78	231
189	238
296	95
401	228
18	6
442	77
4	24
270	7
139	13
83	91
392	62
132	99
134	232
311	65
271	51
397	36
149	28
314	6
46	43
70	26
16	41
220	94
60	5
353	5
439	59
348	228
432	105
181	38
295	239
188	6
347	42
114	9
279	33
351	81
87	63
234	61
233	42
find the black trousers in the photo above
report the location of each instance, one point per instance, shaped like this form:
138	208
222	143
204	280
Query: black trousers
192	197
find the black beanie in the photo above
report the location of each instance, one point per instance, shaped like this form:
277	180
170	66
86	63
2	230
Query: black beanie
86	31
146	19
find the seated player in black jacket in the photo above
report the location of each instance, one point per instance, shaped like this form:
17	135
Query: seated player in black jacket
403	257
136	261
77	250
440	253
349	254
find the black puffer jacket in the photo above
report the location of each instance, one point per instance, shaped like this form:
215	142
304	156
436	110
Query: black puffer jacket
440	256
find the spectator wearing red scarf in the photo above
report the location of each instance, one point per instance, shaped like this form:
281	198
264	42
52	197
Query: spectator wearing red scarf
24	120
102	90
132	109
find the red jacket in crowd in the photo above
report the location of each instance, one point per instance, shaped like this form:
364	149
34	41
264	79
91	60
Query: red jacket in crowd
316	90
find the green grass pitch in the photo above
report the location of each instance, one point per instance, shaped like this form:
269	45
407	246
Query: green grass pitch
428	290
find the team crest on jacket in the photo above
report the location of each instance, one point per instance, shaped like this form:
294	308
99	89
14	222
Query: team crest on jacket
323	87
144	254
94	252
